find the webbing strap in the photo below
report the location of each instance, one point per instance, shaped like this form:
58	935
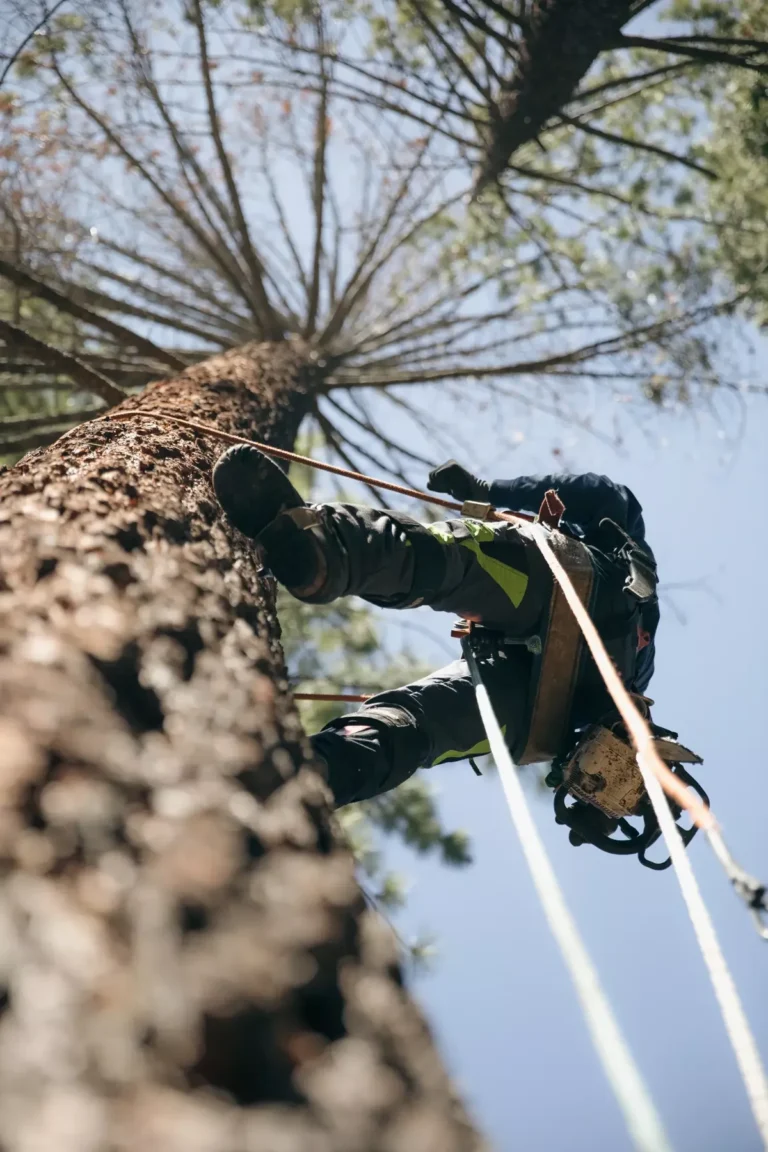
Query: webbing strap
559	664
642	1119
655	773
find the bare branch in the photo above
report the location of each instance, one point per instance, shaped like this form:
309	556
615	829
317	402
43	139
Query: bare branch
64	303
367	425
337	444
15	425
277	204
462	66
14	56
639	146
667	71
220	255
676	47
186	156
273	329
339	316
634	338
87	378
101	299
477	21
318	182
237	326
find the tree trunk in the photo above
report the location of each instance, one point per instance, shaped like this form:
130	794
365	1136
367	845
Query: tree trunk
186	963
560	45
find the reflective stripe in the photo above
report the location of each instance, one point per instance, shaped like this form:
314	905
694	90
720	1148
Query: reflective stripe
512	582
444	535
481	749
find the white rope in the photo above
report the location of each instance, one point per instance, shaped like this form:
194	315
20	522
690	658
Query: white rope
642	1119
653	771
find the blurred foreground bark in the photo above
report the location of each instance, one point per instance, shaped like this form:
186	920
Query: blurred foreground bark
186	963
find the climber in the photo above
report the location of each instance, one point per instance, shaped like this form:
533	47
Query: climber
490	573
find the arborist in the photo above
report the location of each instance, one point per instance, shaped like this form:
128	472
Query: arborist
542	681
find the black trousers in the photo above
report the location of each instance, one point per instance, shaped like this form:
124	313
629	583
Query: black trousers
492	573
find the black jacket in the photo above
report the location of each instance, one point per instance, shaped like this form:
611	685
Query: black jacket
588	499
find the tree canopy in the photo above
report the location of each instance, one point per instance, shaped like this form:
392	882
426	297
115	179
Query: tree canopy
181	180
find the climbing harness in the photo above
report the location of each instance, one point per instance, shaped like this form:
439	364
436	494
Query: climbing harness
751	891
657	778
599	772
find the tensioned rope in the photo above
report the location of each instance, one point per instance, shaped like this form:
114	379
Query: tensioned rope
737	1026
655	773
634	1099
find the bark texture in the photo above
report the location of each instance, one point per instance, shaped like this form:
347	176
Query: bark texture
186	964
562	40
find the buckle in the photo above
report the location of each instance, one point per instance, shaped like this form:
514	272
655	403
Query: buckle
641	581
476	510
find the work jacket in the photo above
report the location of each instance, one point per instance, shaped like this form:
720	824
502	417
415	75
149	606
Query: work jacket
588	499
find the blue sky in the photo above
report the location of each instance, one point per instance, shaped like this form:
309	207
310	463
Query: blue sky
499	998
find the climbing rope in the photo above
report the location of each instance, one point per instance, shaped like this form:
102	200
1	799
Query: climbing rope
284	454
642	1119
619	1066
736	1023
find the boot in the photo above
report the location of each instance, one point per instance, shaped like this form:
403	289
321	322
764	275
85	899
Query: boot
259	499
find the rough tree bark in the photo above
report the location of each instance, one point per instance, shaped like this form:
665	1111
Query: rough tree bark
186	963
561	42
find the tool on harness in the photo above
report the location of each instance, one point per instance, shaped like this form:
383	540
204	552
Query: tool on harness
642	577
599	772
601	775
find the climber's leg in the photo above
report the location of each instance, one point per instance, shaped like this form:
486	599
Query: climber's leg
421	725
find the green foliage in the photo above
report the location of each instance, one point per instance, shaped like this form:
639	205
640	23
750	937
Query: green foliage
739	146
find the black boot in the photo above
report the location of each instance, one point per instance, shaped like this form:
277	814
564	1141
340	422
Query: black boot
258	498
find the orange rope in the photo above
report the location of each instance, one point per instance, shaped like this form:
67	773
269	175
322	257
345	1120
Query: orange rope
637	725
292	457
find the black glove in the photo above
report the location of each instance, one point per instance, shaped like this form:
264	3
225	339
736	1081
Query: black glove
458	482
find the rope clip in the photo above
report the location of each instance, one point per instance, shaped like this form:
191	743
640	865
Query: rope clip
753	893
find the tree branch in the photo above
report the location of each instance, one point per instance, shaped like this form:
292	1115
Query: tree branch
273	329
15	425
635	337
221	257
185	155
318	184
335	442
482	25
63	362
463	67
14	56
366	425
65	303
667	70
705	55
277	204
639	146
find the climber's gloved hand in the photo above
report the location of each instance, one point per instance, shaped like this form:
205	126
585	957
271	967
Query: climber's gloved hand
452	478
